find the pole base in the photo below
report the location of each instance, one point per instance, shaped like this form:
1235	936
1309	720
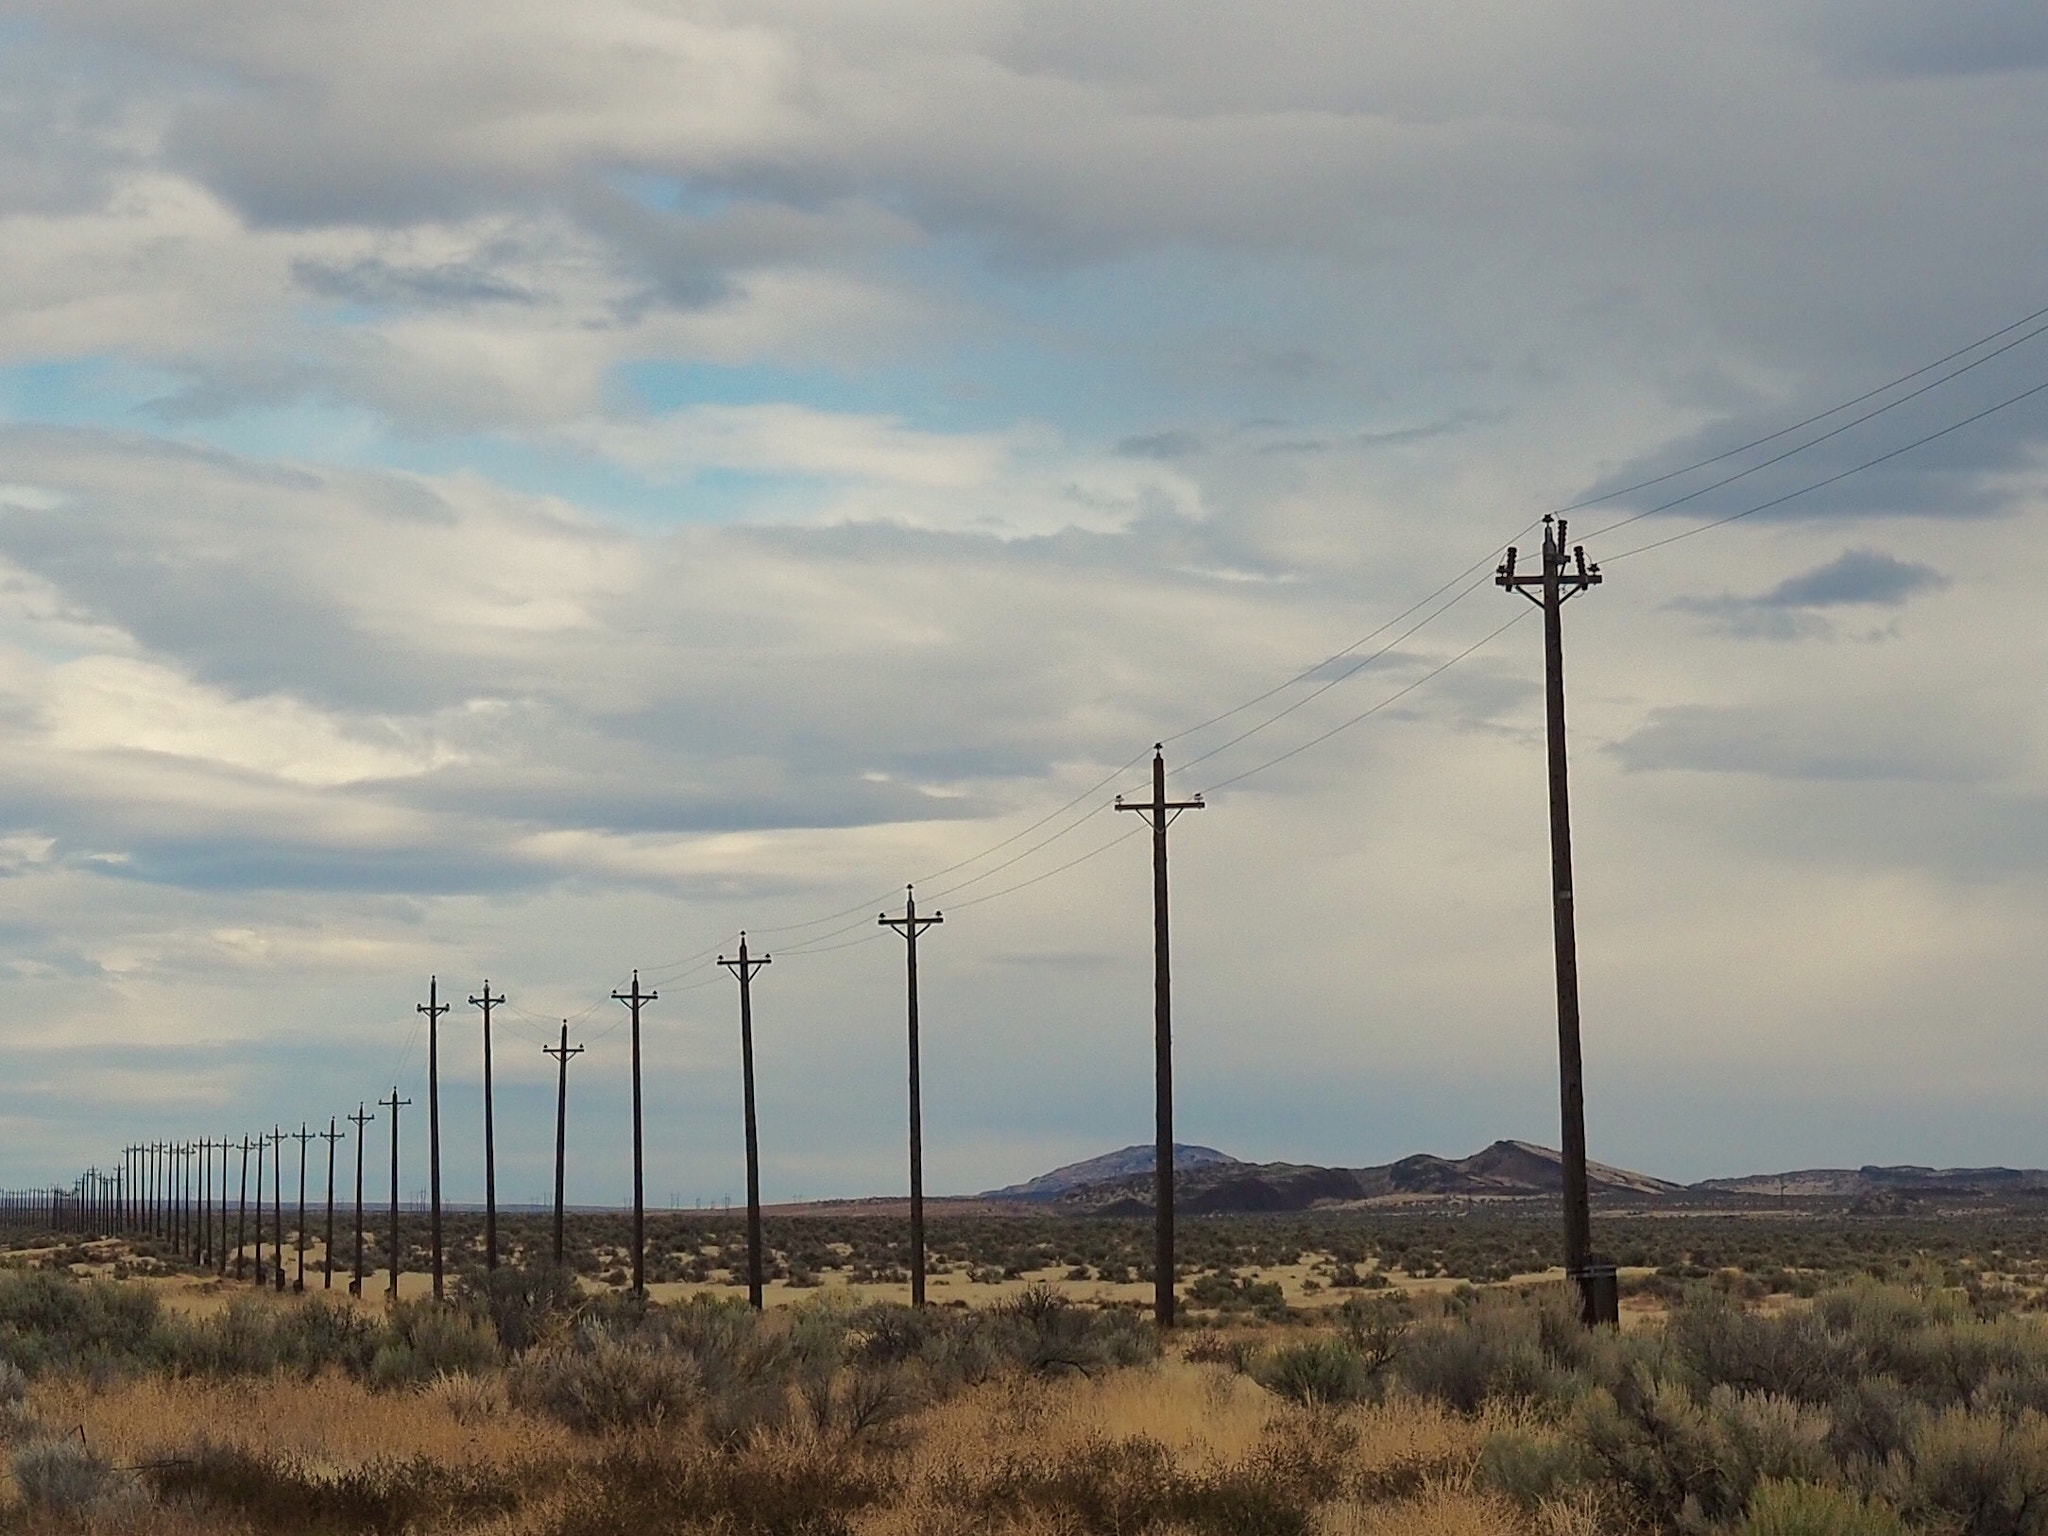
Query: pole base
1599	1294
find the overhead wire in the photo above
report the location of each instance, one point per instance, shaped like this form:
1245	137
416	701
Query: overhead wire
1833	432
1344	677
1833	410
1854	469
1392	698
821	943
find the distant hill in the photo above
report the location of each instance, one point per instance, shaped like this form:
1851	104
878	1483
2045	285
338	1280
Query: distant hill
1873	1182
1211	1182
1110	1168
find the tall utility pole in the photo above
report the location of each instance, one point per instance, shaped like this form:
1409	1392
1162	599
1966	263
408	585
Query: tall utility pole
202	1249
277	1140
394	1104
633	1000
359	1119
1550	591
433	1008
561	1053
303	1138
242	1213
487	1003
221	1258
744	968
910	925
1161	813
330	1136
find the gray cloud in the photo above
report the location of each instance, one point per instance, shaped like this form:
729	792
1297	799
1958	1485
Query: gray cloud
1792	609
1877	738
372	280
1965	38
1160	445
586	684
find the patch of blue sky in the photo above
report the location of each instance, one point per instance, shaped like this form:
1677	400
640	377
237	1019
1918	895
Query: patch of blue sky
602	488
81	392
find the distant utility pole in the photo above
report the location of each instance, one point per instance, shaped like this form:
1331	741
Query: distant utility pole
633	1000
303	1138
1550	591
433	1008
242	1211
487	1003
910	925
561	1053
359	1119
277	1140
394	1104
744	968
202	1250
1161	813
330	1136
221	1258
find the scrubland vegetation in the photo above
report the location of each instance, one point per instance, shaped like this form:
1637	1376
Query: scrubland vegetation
534	1406
1775	1251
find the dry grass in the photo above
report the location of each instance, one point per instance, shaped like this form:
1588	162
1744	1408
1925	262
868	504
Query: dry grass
332	1421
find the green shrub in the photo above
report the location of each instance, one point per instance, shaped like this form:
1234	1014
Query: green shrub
1490	1350
765	1488
284	1493
1796	1355
1976	1473
69	1479
523	1304
423	1340
1039	1330
1815	1509
1316	1371
51	1321
1530	1466
604	1383
256	1338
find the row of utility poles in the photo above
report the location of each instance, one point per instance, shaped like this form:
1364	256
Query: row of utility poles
141	1190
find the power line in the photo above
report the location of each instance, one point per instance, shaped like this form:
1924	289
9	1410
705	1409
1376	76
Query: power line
1482	563
1392	698
1346	676
1805	490
1834	410
1678	501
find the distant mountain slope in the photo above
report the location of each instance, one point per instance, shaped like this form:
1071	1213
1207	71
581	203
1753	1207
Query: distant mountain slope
1873	1180
1110	1168
1208	1181
1507	1168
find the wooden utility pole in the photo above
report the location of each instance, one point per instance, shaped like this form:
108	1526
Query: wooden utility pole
394	1104
633	1000
202	1247
303	1137
1161	813
221	1264
359	1119
330	1136
487	1003
561	1053
743	967
910	925
433	1008
1550	590
277	1140
242	1211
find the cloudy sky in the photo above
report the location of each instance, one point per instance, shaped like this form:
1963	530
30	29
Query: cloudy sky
528	489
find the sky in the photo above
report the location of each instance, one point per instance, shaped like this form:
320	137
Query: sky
528	490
